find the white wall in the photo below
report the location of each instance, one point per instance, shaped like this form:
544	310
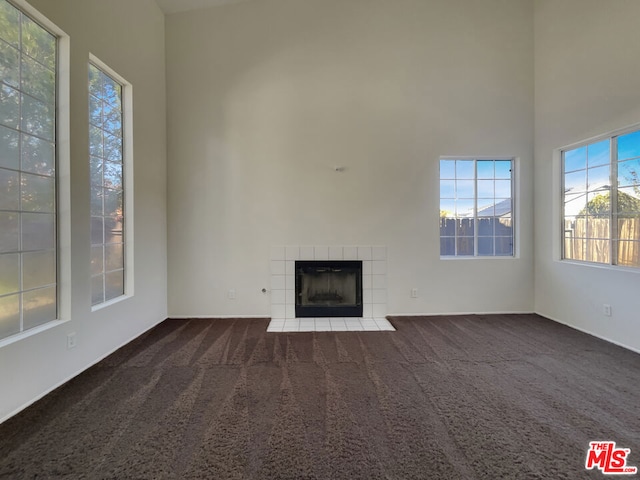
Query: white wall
587	74
129	37
265	98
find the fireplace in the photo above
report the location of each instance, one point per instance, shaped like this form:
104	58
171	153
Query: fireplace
328	288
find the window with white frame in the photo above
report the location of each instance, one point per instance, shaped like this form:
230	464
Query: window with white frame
601	200
28	251
476	207
107	186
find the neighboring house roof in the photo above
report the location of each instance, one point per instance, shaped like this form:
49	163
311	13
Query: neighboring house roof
502	209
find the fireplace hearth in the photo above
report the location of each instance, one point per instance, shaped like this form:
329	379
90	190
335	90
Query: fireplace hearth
328	288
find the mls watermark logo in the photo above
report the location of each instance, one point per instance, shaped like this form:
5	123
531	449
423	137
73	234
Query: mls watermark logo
610	460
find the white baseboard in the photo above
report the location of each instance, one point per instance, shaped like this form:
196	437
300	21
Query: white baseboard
619	344
215	317
453	314
78	372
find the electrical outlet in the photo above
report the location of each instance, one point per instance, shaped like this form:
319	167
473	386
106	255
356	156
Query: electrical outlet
606	309
414	293
71	340
231	294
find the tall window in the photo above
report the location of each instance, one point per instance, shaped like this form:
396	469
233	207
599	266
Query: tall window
601	201
476	207
28	292
107	193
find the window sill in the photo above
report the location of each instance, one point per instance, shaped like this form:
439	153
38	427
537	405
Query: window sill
600	266
32	331
109	303
471	257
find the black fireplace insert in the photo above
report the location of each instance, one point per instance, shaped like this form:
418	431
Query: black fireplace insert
329	288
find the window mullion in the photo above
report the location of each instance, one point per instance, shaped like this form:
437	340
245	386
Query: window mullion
20	231
613	195
513	212
475	208
455	213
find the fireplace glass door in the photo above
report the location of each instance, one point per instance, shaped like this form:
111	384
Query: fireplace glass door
329	288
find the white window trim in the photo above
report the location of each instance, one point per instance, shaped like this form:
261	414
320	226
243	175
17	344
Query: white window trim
62	177
515	207
558	202
127	160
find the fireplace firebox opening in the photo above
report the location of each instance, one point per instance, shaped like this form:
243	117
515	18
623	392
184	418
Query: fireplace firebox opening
328	288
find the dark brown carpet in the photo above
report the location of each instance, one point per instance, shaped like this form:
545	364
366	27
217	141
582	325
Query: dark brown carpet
487	397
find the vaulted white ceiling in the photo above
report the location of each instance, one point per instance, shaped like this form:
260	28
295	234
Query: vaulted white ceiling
175	6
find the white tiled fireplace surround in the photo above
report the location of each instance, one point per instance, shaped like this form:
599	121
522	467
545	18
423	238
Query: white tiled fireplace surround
374	289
